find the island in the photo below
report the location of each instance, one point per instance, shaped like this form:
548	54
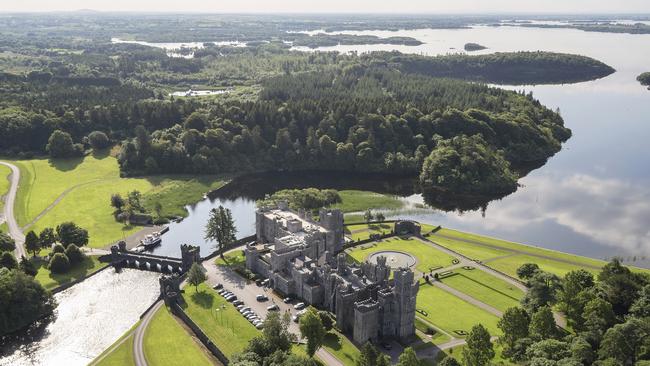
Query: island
471	47
644	79
329	40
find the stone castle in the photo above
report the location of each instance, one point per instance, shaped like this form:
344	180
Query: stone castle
303	258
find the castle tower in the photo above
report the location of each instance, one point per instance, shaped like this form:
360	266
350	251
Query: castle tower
190	254
332	220
405	298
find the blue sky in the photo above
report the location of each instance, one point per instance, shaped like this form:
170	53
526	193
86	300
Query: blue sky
338	6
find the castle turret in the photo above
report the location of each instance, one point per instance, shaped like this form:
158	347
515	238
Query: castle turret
406	291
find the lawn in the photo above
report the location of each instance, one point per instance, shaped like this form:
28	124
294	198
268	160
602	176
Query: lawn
363	231
225	327
471	251
120	356
232	259
509	265
4	182
427	256
166	342
451	313
485	288
353	201
437	337
88	184
50	280
341	347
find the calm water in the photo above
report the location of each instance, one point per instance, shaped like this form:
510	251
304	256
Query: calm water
89	318
592	198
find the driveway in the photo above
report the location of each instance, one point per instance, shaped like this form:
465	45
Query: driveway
10	201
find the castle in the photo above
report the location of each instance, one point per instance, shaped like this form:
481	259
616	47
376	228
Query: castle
303	258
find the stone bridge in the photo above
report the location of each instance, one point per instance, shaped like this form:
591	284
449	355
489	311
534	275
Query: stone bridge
120	257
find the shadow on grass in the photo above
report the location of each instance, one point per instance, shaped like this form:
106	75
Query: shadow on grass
66	165
332	341
76	272
202	299
101	154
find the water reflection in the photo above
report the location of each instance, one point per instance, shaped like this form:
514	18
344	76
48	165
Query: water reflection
89	318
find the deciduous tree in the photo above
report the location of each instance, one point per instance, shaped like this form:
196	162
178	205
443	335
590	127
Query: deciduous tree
479	350
221	228
311	327
196	276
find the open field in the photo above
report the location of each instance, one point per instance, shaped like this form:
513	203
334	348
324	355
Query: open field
120	356
450	313
469	250
353	200
341	347
50	280
4	183
485	288
79	190
226	327
167	342
363	231
428	257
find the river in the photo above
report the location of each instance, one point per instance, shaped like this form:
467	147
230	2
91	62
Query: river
90	316
591	199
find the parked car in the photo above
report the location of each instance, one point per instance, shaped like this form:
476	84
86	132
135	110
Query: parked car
266	282
387	346
299	306
240	306
261	297
231	298
287	300
258	282
222	291
237	302
217	286
273	307
245	308
295	318
260	326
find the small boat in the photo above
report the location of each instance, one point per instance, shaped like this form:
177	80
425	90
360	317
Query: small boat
150	241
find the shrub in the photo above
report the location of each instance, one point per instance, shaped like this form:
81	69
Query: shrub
58	249
98	140
59	263
74	254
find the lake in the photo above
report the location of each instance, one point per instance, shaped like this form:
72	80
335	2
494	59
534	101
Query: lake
592	198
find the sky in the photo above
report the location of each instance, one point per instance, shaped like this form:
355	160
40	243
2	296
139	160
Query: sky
337	6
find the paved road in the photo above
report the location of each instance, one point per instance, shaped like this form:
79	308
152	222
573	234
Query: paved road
247	292
10	200
138	335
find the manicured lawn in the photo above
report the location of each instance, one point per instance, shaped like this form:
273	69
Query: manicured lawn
341	347
234	258
166	342
352	200
50	280
4	182
363	231
450	313
509	265
226	327
437	337
427	256
120	356
485	288
469	250
89	183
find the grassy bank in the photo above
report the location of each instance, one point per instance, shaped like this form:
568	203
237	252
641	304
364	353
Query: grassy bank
167	342
79	190
485	288
120	356
4	183
353	200
341	347
51	280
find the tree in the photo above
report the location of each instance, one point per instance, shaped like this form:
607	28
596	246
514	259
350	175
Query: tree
527	270
221	228
368	356
157	207
117	201
196	276
599	316
98	140
27	266
380	217
543	287
408	358
542	324
32	243
58	248
620	285
479	350
626	342
449	361
47	237
641	306
7	260
60	145
368	216
582	351
134	199
574	294
22	300
311	327
59	263
7	243
69	233
326	319
74	254
514	323
548	349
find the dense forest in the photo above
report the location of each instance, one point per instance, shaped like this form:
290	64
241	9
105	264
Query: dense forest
644	79
470	47
66	89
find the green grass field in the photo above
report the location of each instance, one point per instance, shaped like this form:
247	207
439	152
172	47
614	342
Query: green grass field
166	342
88	184
428	257
450	313
352	201
341	347
485	288
4	182
120	356
436	338
363	231
50	280
226	327
469	250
